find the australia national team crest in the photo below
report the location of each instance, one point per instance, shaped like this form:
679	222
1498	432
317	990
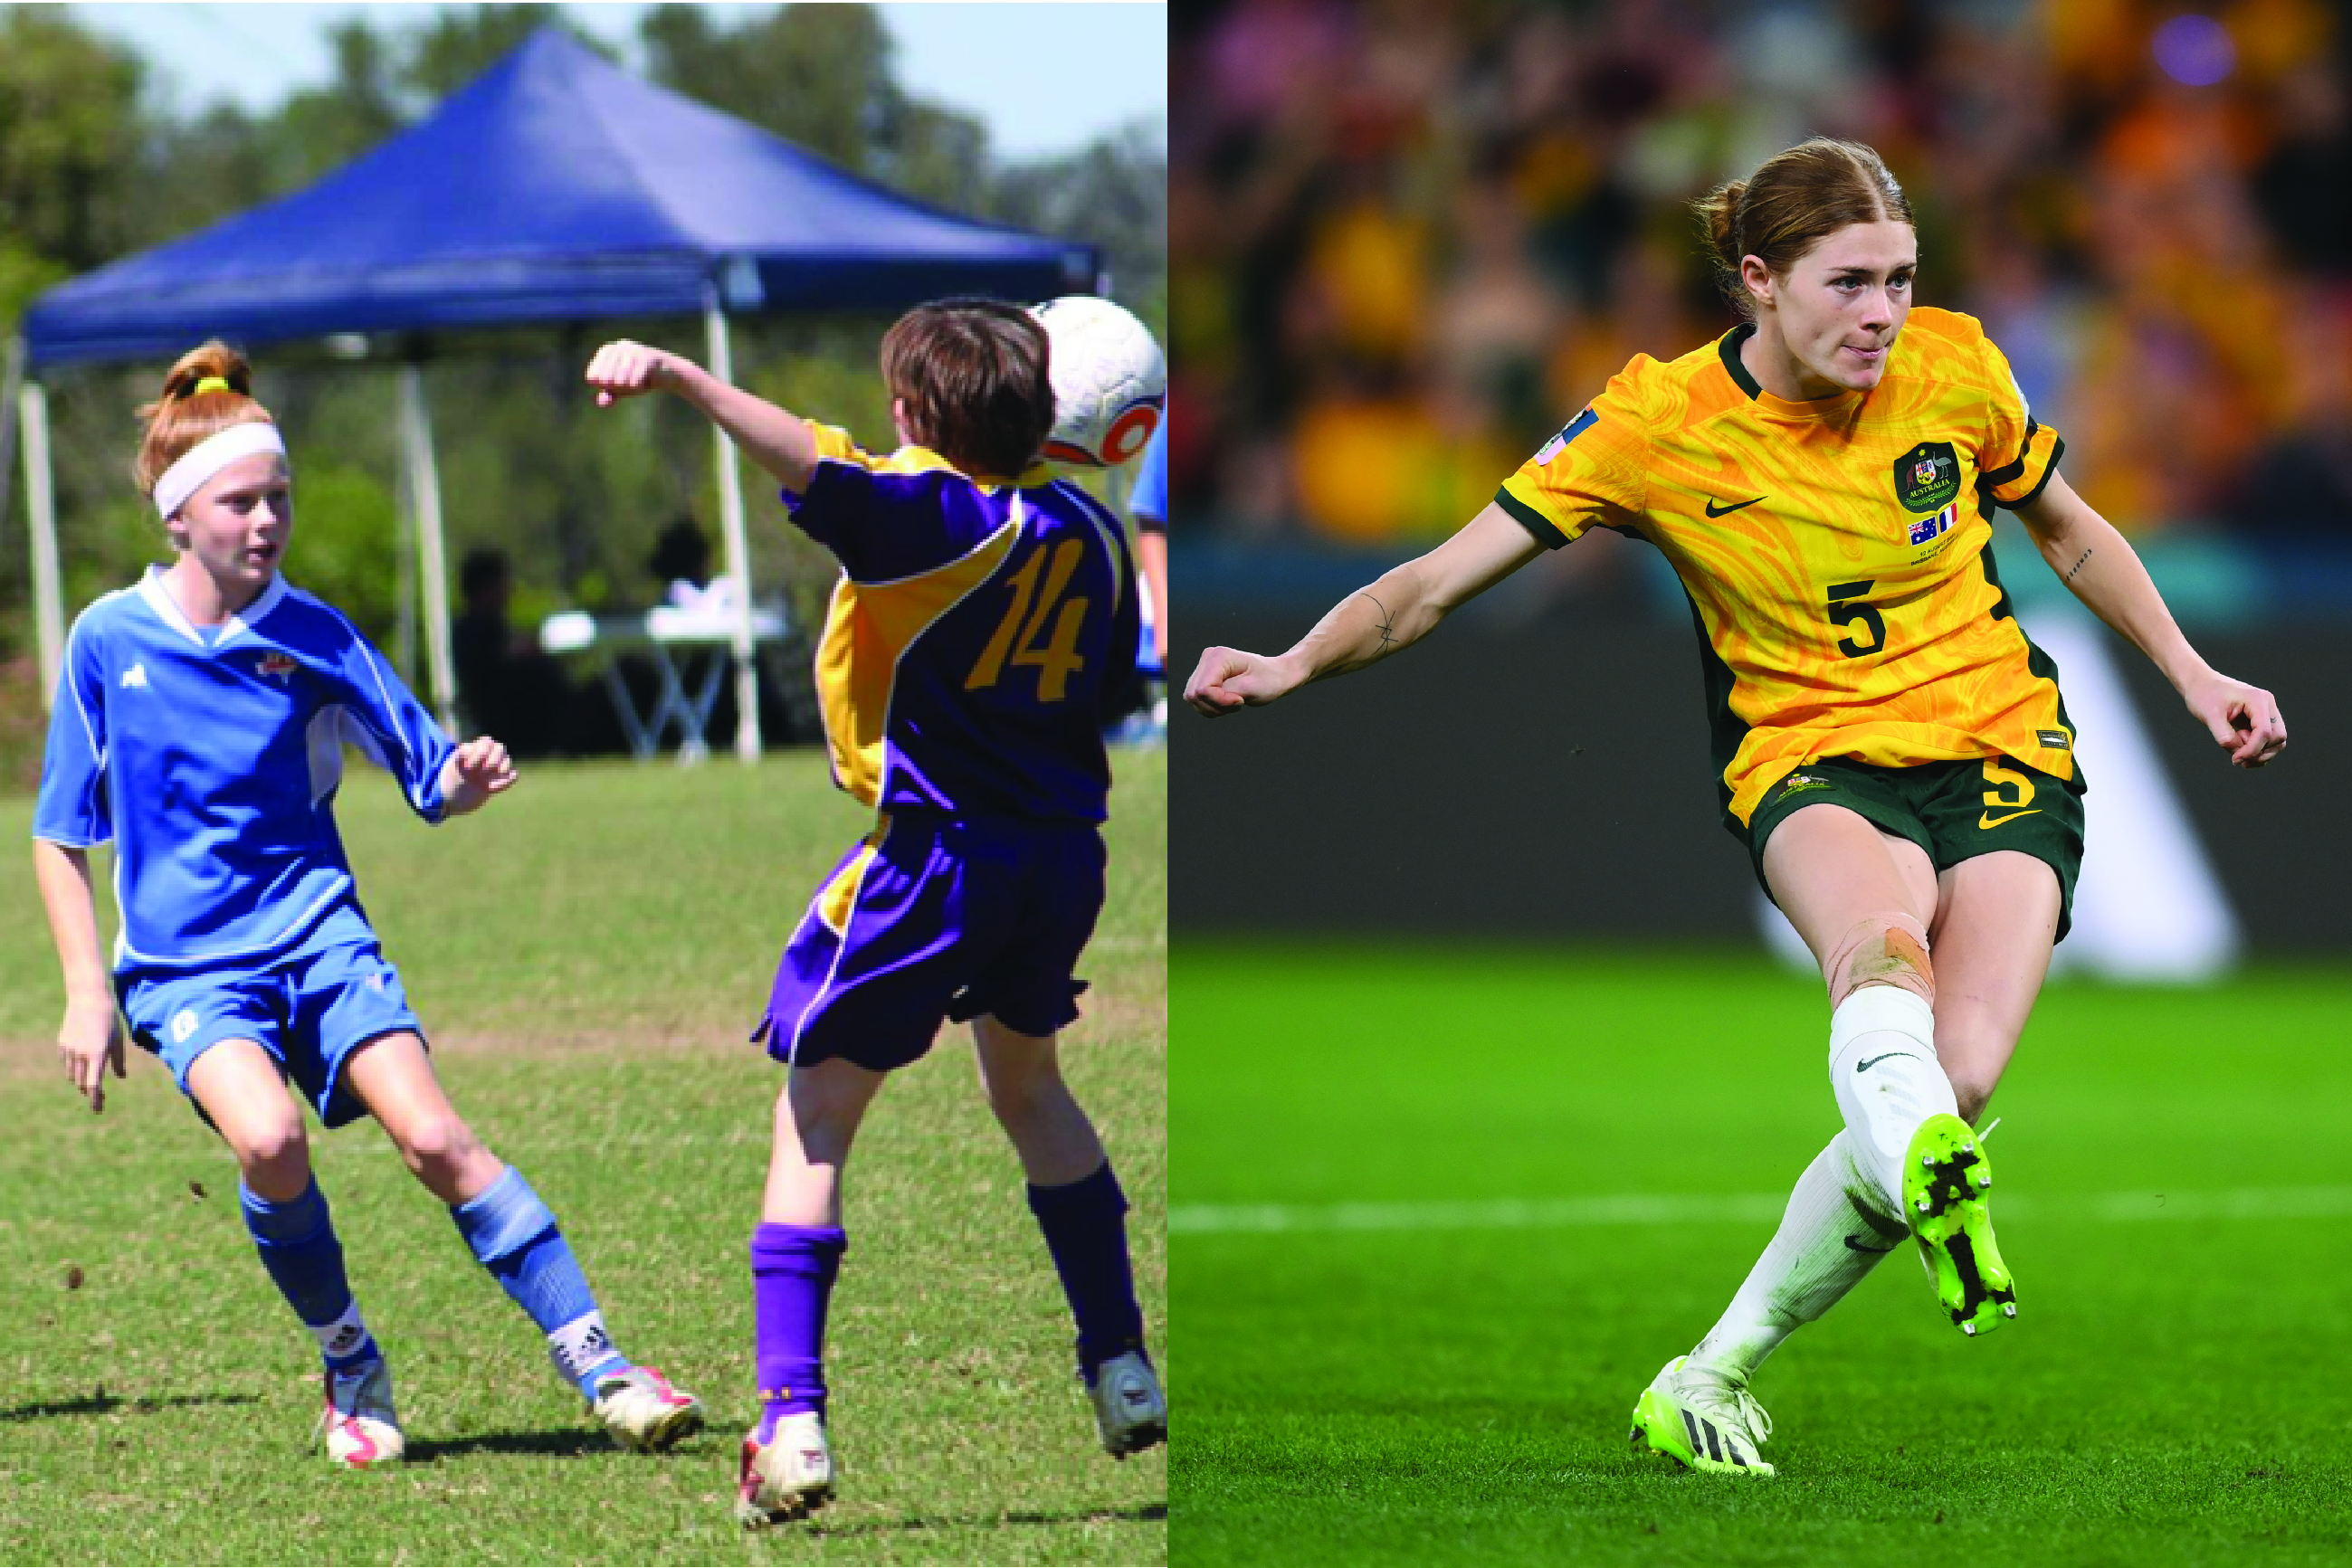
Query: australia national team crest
1927	479
277	665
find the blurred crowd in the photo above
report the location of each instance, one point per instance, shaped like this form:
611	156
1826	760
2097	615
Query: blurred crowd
1409	237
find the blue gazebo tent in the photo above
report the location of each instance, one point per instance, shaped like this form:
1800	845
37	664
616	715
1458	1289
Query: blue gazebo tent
555	187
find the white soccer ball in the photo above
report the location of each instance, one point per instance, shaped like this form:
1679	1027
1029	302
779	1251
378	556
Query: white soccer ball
1109	381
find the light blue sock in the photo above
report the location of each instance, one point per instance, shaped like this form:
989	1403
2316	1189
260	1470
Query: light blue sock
514	1235
298	1245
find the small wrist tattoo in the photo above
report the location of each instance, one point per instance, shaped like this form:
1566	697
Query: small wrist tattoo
2078	565
1388	621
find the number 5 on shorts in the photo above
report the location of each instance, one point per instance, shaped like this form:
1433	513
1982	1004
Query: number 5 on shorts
1059	656
1999	798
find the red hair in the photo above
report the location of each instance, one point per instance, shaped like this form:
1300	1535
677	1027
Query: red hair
189	412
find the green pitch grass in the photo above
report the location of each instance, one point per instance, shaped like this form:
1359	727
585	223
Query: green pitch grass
1444	1373
588	954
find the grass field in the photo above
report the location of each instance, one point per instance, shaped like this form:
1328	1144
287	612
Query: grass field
588	954
1414	1320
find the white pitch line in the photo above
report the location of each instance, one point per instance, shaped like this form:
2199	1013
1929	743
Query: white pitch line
1700	1208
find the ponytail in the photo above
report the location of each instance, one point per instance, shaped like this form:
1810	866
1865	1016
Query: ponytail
208	390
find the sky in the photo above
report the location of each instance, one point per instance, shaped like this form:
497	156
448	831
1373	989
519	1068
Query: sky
1008	64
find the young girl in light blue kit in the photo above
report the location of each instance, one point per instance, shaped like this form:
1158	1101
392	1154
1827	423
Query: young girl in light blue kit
200	725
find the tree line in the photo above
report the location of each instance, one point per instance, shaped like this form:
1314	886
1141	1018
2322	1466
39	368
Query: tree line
96	163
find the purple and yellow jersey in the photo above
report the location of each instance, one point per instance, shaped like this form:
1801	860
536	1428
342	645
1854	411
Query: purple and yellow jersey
1838	554
980	636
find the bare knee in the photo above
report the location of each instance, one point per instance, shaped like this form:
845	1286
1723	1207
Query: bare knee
440	1150
1020	1093
273	1155
1888	948
820	1108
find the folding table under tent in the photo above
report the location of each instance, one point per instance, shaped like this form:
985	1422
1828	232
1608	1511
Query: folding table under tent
554	188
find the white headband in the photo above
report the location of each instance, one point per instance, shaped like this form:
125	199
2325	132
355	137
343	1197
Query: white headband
209	456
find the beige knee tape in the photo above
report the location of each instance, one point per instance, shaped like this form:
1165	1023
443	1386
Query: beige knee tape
1888	949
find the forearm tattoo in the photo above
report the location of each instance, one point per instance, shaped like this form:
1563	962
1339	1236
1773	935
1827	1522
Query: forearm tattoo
2078	566
1388	623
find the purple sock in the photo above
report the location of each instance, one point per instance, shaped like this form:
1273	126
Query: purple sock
1086	1230
793	1269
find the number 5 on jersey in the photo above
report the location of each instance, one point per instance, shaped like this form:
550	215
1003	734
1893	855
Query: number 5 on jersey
1846	611
1017	633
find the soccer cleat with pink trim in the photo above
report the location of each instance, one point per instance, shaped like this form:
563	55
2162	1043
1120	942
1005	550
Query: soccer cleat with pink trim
641	1410
359	1427
788	1476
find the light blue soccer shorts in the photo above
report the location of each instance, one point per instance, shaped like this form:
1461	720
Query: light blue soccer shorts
311	1007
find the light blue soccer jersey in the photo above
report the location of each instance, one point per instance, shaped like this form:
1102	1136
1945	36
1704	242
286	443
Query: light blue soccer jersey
212	762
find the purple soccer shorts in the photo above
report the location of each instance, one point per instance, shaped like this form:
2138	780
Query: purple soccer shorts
933	917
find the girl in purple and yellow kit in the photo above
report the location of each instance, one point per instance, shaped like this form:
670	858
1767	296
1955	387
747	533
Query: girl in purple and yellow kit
984	626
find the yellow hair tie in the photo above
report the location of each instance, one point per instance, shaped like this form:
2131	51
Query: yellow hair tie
211	384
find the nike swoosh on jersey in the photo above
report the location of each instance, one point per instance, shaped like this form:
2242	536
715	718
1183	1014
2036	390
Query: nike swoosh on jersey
1989	821
1714	511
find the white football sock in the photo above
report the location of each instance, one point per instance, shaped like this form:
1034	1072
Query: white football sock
1826	1243
338	1340
1884	1069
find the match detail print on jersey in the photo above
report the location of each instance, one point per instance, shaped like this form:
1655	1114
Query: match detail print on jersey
1860	614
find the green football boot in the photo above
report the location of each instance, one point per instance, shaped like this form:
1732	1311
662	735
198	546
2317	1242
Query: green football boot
1945	1176
1702	1422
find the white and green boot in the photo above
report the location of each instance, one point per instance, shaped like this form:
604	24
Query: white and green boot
1946	1177
1702	1422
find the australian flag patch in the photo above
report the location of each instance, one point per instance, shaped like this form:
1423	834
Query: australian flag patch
1925	529
1570	432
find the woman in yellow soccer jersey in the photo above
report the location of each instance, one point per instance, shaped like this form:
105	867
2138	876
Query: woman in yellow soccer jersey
1891	749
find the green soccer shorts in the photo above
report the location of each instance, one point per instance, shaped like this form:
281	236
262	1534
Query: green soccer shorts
1953	810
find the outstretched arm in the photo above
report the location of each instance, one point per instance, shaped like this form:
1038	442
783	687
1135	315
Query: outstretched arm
1402	607
2105	573
776	439
89	1040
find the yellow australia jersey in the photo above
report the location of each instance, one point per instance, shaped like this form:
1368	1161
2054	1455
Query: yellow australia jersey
1838	554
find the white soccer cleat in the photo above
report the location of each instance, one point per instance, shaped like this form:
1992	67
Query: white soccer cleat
1130	1412
359	1424
644	1412
788	1476
1701	1421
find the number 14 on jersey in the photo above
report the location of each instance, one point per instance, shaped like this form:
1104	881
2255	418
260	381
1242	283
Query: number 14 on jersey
1017	635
